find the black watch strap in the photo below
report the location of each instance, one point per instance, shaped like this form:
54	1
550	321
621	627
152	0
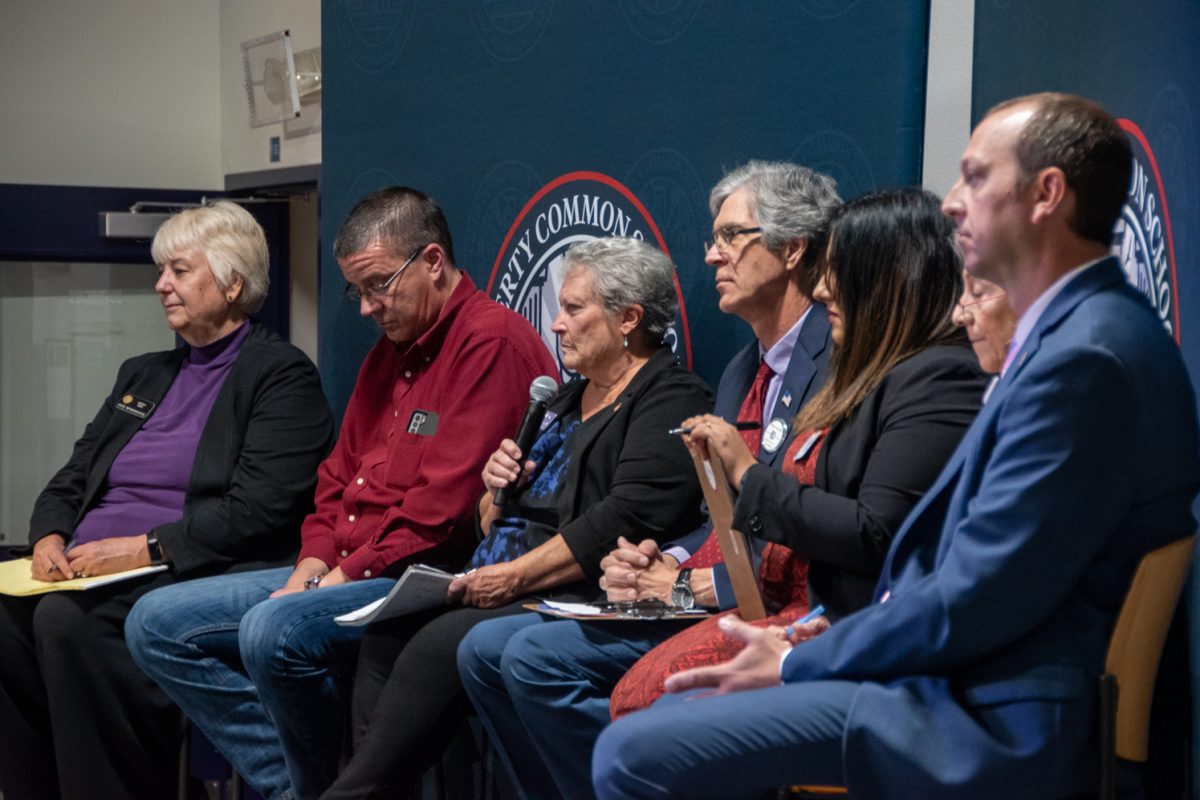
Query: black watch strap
155	549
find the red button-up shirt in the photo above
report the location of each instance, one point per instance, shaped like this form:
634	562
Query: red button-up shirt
422	421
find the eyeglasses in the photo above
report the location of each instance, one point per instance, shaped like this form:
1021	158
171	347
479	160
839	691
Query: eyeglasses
376	290
968	308
723	237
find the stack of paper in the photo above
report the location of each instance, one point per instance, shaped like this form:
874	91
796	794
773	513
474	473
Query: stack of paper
15	579
419	588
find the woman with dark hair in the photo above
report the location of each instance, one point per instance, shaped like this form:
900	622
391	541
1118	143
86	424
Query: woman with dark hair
902	390
202	460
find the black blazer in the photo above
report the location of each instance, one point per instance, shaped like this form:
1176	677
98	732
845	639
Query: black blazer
871	471
254	470
627	476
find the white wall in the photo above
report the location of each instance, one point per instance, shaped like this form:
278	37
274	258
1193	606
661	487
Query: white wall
110	93
140	93
948	91
246	149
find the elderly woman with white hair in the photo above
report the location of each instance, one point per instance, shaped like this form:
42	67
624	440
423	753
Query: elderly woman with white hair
202	459
603	465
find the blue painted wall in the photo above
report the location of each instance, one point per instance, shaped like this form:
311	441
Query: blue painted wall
481	104
1141	61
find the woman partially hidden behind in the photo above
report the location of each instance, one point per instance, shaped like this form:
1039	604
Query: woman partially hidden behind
201	458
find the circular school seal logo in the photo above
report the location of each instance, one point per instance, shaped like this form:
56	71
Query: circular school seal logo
510	29
1142	237
572	208
374	32
659	21
837	154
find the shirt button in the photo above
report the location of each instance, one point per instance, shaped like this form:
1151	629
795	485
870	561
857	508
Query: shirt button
352	518
426	359
366	573
345	553
408	373
359	481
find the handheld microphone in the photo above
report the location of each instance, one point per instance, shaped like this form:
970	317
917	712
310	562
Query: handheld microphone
540	392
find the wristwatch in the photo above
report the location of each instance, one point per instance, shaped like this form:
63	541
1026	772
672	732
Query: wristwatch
681	591
155	549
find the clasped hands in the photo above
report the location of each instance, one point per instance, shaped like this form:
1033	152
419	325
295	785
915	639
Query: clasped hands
308	568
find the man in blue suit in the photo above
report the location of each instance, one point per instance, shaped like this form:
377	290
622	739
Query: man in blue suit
770	221
973	674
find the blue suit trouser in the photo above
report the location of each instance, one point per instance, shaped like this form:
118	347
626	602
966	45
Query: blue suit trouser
729	746
542	689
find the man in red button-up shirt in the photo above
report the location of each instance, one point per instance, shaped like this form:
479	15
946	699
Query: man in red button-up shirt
447	381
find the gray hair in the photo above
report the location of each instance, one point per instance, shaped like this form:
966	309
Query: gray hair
627	272
230	239
792	202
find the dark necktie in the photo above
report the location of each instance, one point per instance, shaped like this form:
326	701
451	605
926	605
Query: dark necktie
752	406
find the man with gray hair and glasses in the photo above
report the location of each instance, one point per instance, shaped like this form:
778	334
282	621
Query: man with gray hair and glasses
254	659
770	221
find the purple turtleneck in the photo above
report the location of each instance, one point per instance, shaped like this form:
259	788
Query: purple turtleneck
148	480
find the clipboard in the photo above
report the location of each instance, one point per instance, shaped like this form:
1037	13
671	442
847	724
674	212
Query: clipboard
734	549
595	612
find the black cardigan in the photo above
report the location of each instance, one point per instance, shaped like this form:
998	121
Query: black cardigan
627	476
870	472
254	470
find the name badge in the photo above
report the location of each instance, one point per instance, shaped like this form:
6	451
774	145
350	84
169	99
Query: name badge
131	404
774	435
807	446
423	423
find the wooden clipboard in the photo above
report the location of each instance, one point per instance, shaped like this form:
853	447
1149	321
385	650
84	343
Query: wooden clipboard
734	549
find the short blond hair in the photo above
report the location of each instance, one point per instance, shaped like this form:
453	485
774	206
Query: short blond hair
230	239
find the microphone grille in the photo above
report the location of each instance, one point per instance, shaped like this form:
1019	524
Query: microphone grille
542	388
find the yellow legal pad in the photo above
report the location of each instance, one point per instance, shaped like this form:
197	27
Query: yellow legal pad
15	580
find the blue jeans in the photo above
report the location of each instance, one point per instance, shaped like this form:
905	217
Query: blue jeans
541	688
262	678
744	744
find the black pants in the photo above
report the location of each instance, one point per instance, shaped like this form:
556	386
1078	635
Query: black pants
408	699
78	719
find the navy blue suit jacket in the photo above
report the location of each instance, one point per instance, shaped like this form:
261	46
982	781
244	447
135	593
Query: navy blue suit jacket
805	376
978	661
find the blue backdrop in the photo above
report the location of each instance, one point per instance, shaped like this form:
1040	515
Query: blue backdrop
483	104
1141	61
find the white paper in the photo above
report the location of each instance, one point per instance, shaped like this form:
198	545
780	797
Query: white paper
419	588
583	609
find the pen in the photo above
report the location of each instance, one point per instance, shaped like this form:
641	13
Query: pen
790	630
741	425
